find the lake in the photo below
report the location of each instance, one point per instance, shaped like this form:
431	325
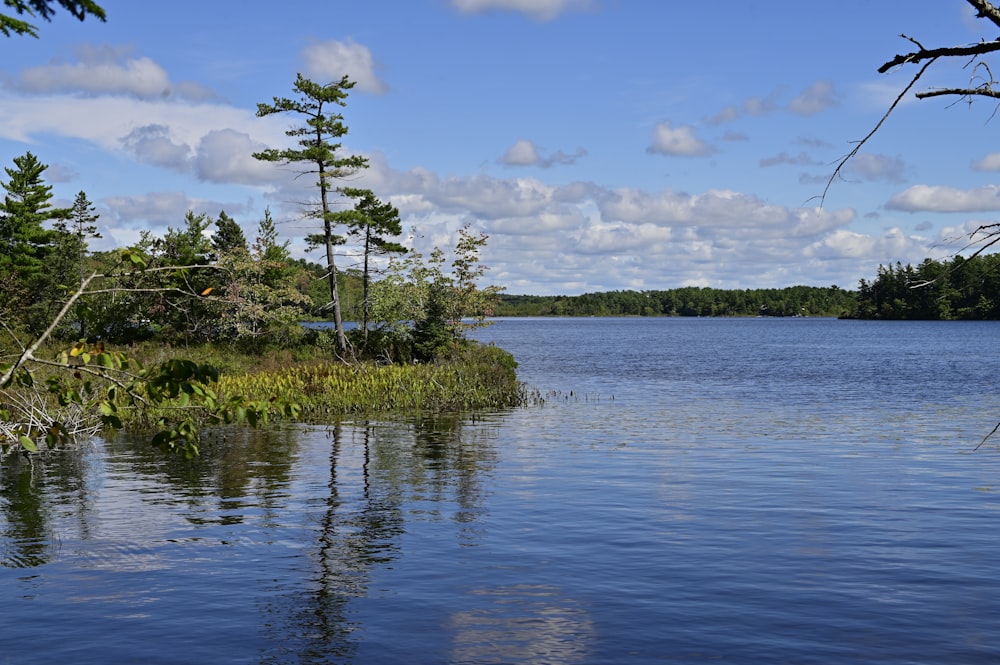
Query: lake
691	490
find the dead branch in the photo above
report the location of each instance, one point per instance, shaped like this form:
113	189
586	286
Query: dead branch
862	142
984	91
921	54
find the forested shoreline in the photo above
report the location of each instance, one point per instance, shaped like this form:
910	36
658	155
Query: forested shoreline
687	301
959	289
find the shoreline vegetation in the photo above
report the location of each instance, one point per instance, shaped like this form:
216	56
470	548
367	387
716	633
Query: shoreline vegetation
688	301
961	289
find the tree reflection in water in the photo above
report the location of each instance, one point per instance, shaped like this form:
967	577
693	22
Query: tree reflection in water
31	492
375	469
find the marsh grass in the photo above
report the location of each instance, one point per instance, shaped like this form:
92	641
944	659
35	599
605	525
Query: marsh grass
474	377
300	384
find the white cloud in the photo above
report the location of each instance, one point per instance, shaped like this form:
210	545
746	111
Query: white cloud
331	60
814	99
875	168
539	10
760	105
213	141
152	144
106	71
946	199
990	162
525	153
677	141
225	155
522	153
878	249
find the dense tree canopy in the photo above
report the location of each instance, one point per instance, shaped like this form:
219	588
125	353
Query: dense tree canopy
962	288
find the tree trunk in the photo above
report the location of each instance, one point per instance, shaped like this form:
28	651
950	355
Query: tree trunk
331	266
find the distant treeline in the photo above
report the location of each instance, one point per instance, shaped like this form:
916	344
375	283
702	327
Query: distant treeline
967	289
687	301
934	290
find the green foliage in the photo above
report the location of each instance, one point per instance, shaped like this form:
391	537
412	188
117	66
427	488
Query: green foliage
319	152
420	301
373	223
967	289
258	303
228	236
173	287
686	301
68	260
87	388
473	376
27	248
44	9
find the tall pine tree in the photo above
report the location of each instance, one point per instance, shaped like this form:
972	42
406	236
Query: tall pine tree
28	292
228	236
319	152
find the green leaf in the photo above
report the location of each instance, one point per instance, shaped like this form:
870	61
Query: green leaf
27	444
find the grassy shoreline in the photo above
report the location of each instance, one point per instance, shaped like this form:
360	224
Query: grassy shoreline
217	384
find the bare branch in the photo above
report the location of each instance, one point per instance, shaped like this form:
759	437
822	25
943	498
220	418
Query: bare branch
984	91
935	53
28	353
986	10
862	142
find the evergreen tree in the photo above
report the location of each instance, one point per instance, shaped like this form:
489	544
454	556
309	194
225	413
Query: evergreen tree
27	281
10	24
319	153
371	222
73	232
228	236
272	254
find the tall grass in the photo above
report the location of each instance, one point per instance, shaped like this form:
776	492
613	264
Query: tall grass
475	377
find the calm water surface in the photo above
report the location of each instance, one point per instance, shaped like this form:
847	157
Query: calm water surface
692	490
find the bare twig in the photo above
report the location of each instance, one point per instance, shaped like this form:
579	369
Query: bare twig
862	142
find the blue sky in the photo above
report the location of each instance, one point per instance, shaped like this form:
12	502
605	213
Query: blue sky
601	144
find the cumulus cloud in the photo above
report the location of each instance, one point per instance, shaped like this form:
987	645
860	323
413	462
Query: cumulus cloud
332	60
525	153
152	144
990	162
678	141
522	153
816	98
103	71
539	10
226	156
543	234
156	211
930	198
851	245
214	142
491	198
